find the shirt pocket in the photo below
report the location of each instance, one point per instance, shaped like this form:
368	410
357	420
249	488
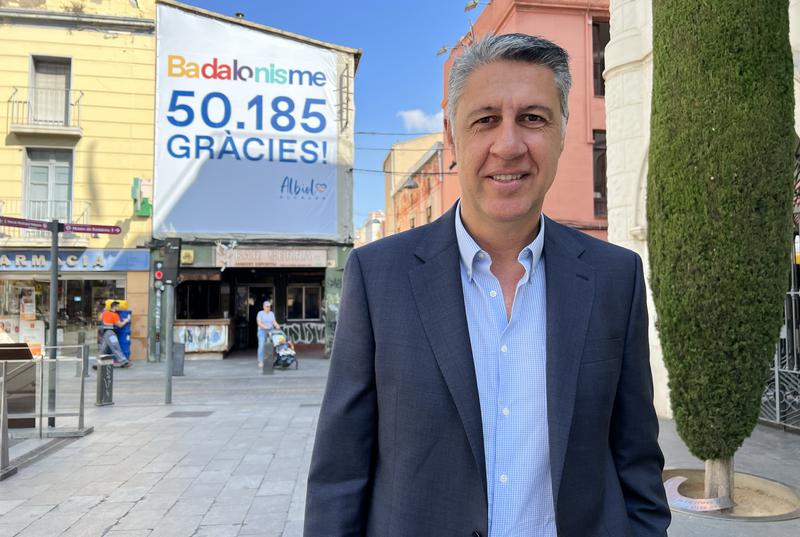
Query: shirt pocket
601	350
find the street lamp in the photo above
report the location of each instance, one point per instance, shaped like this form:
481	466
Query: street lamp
472	4
409	184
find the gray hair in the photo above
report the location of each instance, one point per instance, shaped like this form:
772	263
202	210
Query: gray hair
266	303
512	47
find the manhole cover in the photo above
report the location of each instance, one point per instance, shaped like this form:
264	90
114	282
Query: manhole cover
191	414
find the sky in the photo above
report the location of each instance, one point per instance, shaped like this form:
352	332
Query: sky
398	84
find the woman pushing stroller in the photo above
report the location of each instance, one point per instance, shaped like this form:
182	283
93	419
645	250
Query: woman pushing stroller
266	322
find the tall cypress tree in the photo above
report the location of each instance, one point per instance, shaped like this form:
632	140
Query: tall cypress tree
719	212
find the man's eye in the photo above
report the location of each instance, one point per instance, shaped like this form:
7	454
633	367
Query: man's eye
484	120
532	118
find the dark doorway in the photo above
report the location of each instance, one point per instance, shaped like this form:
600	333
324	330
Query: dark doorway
256	297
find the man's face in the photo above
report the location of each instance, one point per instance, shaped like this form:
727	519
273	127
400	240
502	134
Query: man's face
507	139
267	307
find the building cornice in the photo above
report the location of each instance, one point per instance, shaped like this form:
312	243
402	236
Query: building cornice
34	17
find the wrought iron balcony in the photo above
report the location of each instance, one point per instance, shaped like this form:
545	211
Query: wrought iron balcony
44	111
73	212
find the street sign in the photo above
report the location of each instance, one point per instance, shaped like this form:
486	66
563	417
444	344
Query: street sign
24	223
89	228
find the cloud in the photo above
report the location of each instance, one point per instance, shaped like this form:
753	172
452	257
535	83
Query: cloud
418	121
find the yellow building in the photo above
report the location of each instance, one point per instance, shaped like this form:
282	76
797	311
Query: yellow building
77	83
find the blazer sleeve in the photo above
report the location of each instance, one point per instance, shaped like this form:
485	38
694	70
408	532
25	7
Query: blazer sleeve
339	480
634	428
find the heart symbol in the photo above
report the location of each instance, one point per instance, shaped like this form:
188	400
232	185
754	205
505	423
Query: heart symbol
322	187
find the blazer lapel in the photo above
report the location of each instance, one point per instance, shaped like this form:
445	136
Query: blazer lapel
436	286
570	293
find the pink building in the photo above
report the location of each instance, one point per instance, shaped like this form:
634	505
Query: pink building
578	196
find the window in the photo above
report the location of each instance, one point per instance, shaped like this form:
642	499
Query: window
428	214
599	170
600	38
48	185
200	300
50	92
411	223
303	302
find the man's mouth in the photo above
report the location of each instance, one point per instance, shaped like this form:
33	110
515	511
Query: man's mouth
507	177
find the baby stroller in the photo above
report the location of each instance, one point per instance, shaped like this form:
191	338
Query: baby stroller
283	350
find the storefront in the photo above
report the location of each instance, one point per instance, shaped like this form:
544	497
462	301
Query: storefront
87	278
216	307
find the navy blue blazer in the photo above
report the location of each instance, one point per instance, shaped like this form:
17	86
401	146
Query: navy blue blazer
399	446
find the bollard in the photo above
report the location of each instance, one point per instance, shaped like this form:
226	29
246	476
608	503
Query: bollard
81	366
6	470
178	353
269	358
85	359
105	380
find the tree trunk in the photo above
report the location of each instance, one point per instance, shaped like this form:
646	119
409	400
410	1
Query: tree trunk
719	478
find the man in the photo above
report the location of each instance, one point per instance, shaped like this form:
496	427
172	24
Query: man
265	319
109	342
490	372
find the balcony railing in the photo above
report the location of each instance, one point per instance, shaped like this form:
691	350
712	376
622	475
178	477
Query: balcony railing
73	212
43	110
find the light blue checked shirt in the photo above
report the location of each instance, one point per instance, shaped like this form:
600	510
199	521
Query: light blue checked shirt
510	357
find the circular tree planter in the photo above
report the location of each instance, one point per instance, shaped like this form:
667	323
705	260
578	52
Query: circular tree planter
757	499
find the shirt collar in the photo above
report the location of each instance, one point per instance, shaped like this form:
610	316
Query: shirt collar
468	249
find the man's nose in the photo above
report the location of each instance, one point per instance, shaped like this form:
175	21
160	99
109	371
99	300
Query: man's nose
508	143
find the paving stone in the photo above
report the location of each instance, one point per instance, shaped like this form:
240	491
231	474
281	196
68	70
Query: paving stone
218	531
176	485
192	506
177	526
99	519
213	476
8	505
221	514
270	504
140	520
54	522
127	494
203	490
263	524
276	488
157	501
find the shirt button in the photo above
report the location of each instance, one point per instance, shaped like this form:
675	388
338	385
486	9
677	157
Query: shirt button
504	478
481	255
504	348
492	294
506	412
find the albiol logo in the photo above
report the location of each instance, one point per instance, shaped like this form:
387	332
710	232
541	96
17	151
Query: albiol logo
291	188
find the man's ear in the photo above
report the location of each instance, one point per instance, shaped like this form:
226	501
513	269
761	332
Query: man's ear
448	134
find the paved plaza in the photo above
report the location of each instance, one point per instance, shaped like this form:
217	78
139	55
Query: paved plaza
230	457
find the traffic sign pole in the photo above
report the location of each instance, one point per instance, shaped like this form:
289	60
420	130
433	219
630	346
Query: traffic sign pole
169	306
53	334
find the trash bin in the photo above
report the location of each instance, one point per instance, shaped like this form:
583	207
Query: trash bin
124	333
105	380
178	350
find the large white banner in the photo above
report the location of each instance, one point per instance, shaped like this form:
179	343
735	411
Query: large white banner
245	132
